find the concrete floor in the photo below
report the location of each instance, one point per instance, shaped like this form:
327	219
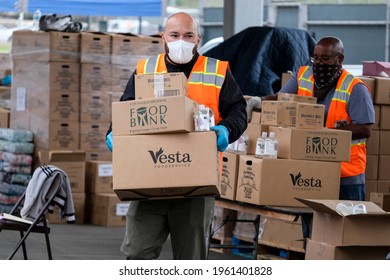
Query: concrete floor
81	242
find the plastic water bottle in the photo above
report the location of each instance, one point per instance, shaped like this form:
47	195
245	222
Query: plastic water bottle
36	17
242	144
270	146
260	145
202	118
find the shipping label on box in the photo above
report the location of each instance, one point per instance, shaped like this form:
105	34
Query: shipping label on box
279	113
99	177
154	115
160	85
310	116
313	144
277	181
229	175
165	165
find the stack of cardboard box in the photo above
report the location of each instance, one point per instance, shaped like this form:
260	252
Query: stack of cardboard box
378	150
156	153
62	91
308	165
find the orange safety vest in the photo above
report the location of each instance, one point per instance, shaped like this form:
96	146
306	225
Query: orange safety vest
204	82
338	111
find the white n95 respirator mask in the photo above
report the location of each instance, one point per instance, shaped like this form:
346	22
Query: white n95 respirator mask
180	51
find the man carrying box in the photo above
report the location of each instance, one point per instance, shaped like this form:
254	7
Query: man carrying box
348	106
211	83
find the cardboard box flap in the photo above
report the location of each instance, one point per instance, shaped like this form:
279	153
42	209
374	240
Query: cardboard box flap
55	156
329	206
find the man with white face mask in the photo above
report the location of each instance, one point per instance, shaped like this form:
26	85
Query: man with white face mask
211	83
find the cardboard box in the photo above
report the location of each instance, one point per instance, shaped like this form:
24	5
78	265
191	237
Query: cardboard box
373	143
383	186
371	186
93	135
155	115
278	113
372	166
383	141
285	78
310	116
281	234
229	176
72	162
384	117
165	165
224	233
95	77
382	91
102	210
95	47
377	110
98	155
323	251
383	168
313	144
376	68
98	177
370	82
277	181
256	117
124	49
371	229
120	75
79	211
94	107
31	45
297	98
381	199
4	117
160	85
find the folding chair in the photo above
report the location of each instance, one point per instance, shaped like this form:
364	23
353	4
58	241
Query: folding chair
38	224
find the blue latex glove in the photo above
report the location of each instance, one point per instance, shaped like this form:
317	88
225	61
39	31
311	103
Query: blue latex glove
7	80
109	141
222	137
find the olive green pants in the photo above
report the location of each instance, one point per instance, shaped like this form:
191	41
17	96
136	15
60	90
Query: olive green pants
149	223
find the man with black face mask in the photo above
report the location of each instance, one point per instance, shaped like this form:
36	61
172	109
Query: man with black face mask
211	83
348	106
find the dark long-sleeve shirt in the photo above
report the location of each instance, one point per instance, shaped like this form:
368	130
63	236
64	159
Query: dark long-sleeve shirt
232	105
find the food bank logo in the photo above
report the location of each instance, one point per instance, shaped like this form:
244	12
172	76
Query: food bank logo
321	145
146	116
299	181
162	159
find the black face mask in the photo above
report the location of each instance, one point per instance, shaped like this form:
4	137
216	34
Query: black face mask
325	75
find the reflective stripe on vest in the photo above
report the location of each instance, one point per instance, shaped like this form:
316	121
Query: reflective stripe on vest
205	81
338	111
209	76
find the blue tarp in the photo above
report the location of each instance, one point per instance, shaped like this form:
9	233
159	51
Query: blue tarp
89	7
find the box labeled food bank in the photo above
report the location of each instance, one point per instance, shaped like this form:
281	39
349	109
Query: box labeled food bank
313	144
153	115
